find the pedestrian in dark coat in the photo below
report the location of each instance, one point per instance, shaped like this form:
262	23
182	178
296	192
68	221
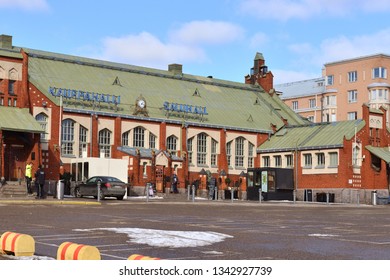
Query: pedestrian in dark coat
40	182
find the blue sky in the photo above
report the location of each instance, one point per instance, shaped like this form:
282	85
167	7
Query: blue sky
218	38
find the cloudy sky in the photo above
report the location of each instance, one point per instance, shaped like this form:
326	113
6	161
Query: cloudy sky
213	37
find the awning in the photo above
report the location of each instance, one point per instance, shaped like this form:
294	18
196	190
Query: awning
17	119
382	153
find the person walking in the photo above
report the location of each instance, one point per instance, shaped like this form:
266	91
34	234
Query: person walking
28	177
40	182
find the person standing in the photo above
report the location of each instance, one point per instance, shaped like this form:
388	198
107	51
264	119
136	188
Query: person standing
175	181
40	182
28	177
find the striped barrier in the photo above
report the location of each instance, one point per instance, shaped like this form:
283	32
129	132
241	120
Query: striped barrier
136	257
73	251
20	245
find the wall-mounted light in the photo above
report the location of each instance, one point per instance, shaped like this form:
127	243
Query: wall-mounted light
44	104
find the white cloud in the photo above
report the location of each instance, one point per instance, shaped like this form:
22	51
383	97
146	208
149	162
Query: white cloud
302	9
25	4
287	76
185	44
207	32
258	40
147	50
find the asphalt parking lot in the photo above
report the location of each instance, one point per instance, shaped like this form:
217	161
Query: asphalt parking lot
184	230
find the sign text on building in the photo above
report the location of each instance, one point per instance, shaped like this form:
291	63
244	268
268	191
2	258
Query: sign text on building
184	108
84	95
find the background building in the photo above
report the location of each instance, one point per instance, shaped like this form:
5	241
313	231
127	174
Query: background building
339	94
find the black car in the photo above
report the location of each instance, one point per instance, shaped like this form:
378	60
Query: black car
109	187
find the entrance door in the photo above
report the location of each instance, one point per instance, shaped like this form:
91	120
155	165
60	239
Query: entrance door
16	162
160	178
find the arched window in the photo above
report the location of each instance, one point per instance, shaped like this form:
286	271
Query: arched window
83	132
201	149
42	120
105	143
125	138
239	155
172	144
139	137
67	137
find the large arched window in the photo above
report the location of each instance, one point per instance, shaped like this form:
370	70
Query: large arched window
139	137
201	149
105	143
42	120
67	137
239	152
172	144
83	132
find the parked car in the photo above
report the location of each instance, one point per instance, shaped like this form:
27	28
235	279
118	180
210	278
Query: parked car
109	187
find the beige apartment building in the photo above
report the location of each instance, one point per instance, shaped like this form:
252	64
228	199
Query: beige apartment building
344	87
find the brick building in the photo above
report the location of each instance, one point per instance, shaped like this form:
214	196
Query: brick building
162	122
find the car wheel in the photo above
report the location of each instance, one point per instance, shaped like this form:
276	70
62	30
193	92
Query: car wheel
77	192
119	197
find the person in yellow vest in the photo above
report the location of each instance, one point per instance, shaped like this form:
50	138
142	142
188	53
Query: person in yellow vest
28	176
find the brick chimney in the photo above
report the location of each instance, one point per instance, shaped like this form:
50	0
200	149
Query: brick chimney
176	69
5	41
260	74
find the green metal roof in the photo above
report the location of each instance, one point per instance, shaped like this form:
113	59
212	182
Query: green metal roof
314	136
229	104
16	119
382	153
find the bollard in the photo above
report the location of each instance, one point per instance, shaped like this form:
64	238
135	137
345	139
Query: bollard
136	257
260	196
188	192
232	194
98	190
193	193
73	251
147	192
17	243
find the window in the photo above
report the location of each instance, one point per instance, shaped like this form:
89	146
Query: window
239	156
171	145
330	100
379	72
320	160
213	159
42	120
310	118
289	161
352	116
105	143
278	161
329	80
312	103
352	96
139	137
251	154
125	139
152	141
334	160
229	153
352	76
355	155
295	105
82	140
189	148
202	149
11	87
266	162
67	137
308	160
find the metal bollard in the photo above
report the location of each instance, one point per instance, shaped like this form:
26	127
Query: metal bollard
188	192
193	193
232	194
259	195
147	192
98	190
327	198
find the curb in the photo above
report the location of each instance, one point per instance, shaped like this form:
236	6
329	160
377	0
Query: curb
23	201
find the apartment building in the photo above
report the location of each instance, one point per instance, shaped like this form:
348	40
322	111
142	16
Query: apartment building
344	87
